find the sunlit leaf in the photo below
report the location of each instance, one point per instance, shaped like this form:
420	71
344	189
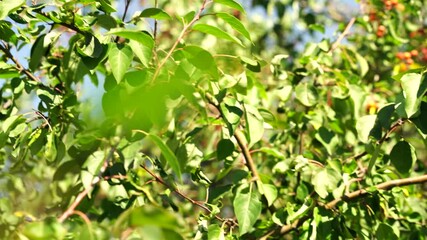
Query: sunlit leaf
155	13
9	6
120	57
167	154
247	208
217	32
235	23
232	4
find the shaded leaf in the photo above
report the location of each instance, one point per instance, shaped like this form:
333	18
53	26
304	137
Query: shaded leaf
403	156
224	148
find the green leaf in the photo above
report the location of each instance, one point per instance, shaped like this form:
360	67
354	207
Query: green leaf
139	36
385	232
91	47
155	13
325	181
232	113
247	208
232	4
224	148
235	24
270	193
254	125
48	229
120	57
383	120
306	94
156	216
201	59
106	6
219	33
38	51
363	64
403	156
421	120
364	125
167	154
328	139
414	87
215	232
50	149
143	52
9	6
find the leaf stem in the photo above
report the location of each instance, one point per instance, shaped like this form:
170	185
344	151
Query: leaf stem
181	36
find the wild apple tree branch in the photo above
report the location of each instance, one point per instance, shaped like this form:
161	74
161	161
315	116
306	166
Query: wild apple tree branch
382	186
354	195
179	193
5	48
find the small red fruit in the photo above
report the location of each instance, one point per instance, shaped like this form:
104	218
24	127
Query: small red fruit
400	55
409	61
407	55
414	53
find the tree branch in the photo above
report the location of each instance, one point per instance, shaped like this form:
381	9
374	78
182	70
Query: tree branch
179	193
181	36
71	210
382	186
343	34
354	195
4	47
240	139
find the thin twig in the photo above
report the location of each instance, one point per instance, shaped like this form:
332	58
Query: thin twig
179	193
180	37
343	34
70	210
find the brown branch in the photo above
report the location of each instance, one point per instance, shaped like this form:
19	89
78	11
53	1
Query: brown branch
343	34
181	36
179	193
64	24
240	139
71	209
4	47
351	196
382	186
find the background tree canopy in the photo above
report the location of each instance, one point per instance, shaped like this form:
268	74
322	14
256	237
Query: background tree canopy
213	119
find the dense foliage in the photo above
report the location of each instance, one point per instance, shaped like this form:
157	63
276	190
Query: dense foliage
209	119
